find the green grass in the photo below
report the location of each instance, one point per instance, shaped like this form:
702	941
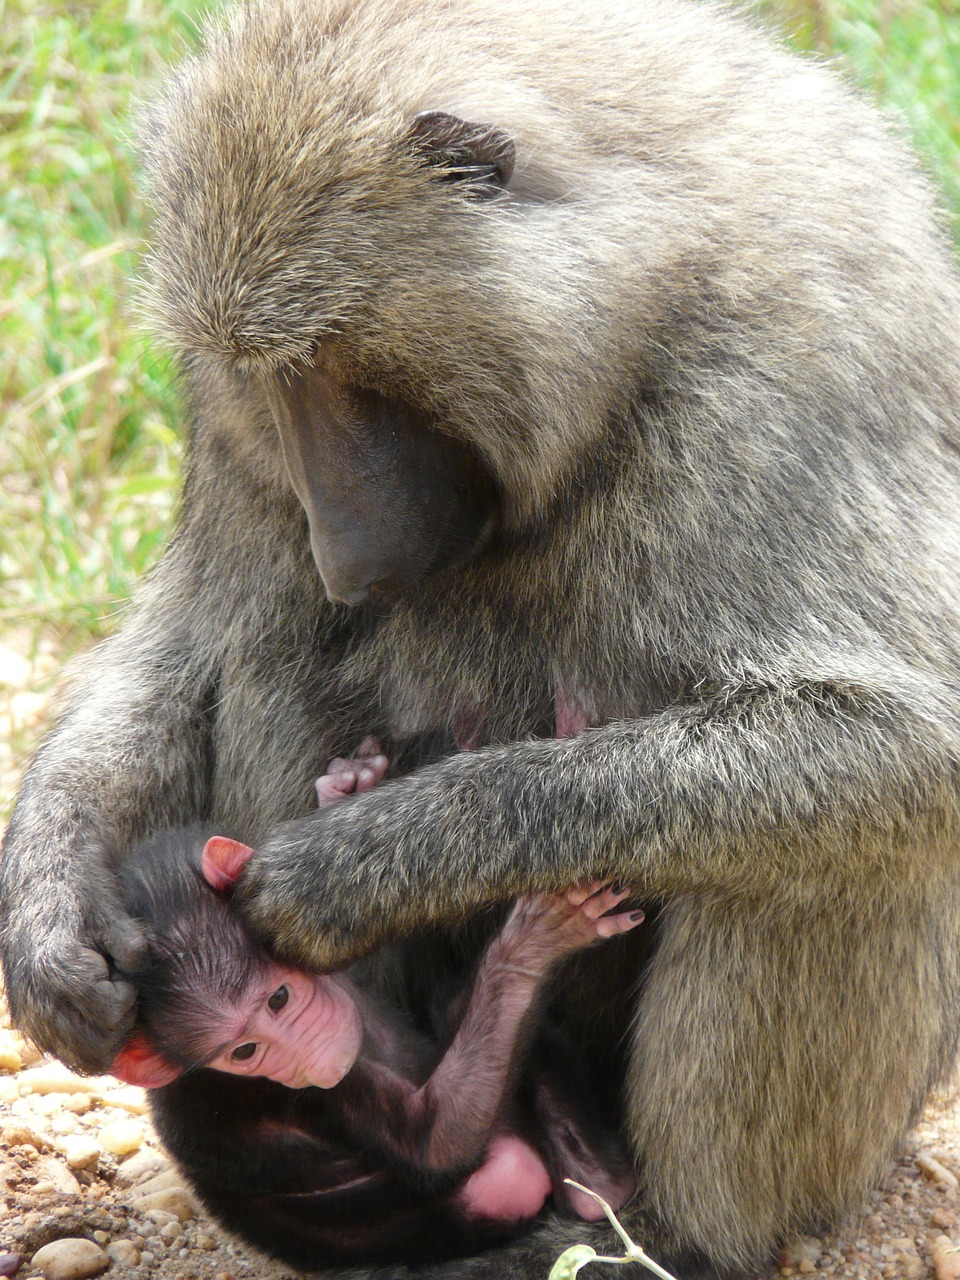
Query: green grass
906	54
89	453
89	449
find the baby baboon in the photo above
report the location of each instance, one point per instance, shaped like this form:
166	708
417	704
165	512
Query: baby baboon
607	359
390	1144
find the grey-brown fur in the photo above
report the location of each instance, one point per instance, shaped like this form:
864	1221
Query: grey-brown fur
708	343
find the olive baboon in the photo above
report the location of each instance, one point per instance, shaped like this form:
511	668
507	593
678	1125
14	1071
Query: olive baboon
405	1147
607	358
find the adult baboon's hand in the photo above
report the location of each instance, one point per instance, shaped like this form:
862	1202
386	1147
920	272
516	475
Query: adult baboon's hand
63	961
292	893
324	889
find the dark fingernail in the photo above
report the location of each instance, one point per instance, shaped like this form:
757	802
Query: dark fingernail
636	916
618	887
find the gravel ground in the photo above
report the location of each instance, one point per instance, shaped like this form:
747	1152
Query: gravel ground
85	1189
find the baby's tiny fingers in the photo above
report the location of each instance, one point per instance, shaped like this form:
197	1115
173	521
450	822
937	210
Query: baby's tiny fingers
578	895
600	903
611	926
371	772
334	786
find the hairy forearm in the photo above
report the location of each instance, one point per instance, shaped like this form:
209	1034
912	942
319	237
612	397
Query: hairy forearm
127	756
141	721
444	1125
760	791
465	1093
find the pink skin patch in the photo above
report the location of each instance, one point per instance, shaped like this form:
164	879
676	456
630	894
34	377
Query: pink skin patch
616	1193
137	1063
573	716
511	1185
297	1028
223	860
354	775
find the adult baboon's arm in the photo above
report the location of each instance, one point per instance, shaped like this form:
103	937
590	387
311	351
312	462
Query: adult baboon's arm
787	794
130	754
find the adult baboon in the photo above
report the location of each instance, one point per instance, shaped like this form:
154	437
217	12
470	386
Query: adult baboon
609	361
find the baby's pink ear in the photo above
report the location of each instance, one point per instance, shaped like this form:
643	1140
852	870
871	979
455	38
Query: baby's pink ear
223	860
137	1063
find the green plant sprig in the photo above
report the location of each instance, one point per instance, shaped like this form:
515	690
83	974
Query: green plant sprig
578	1255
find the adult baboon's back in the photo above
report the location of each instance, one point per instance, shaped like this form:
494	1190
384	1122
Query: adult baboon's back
614	359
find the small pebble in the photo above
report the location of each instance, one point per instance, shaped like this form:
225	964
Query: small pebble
205	1242
63	1124
124	1252
161	1182
54	1077
51	1170
10	1057
78	1103
69	1259
129	1098
144	1164
161	1216
48	1104
946	1262
121	1137
175	1200
933	1169
10	1263
21	1135
80	1152
943	1218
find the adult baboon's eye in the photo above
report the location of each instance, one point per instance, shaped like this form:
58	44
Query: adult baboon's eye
244	1052
278	999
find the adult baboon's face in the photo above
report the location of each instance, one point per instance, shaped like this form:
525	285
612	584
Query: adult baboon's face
422	304
389	498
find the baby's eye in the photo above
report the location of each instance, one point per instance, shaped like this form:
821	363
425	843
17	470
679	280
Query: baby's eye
244	1052
278	999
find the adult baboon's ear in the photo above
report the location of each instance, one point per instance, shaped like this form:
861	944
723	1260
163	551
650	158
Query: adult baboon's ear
478	154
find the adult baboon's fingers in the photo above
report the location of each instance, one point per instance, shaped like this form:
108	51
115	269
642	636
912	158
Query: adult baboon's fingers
125	943
73	1007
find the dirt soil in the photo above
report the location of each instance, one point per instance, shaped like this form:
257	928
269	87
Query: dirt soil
85	1189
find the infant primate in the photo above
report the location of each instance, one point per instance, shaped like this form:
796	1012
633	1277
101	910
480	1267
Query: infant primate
415	1151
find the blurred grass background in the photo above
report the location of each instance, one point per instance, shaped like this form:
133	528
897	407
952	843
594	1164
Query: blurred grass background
89	447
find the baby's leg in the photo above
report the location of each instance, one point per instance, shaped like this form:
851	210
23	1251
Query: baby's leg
576	1141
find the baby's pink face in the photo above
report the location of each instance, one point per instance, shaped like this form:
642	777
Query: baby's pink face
295	1028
